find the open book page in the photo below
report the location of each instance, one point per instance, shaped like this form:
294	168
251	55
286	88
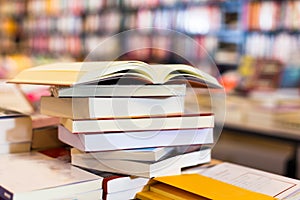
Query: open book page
79	72
124	72
181	72
254	180
116	70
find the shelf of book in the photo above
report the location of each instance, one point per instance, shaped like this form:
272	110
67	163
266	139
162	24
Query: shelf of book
46	25
273	26
227	30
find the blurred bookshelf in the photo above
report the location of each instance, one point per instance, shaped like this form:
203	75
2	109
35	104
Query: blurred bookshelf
56	28
274	27
224	30
11	15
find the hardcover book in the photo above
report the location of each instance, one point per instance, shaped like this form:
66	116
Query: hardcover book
196	187
141	154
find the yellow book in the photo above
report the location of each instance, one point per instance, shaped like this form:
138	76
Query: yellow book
149	195
210	188
174	193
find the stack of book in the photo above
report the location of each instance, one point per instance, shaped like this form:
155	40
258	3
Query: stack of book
114	114
15	133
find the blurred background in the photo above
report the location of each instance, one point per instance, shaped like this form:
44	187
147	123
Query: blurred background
232	32
255	46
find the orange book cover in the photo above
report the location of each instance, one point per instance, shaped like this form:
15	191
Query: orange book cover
210	188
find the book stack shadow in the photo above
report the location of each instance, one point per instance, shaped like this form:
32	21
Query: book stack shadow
130	133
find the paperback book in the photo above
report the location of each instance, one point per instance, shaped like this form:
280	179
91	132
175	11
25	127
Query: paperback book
27	176
136	139
168	166
140	123
157	90
109	107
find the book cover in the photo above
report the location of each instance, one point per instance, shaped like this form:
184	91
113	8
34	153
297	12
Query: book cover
138	139
106	107
173	192
149	195
201	186
126	194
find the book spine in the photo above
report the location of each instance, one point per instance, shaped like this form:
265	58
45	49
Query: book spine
105	182
5	194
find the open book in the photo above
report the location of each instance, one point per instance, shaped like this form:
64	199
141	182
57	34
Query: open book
116	72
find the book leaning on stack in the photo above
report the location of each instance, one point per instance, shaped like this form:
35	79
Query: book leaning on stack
114	114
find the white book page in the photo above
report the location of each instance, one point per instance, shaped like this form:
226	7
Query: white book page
252	179
164	73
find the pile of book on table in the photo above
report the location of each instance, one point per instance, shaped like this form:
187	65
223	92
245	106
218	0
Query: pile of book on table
126	117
